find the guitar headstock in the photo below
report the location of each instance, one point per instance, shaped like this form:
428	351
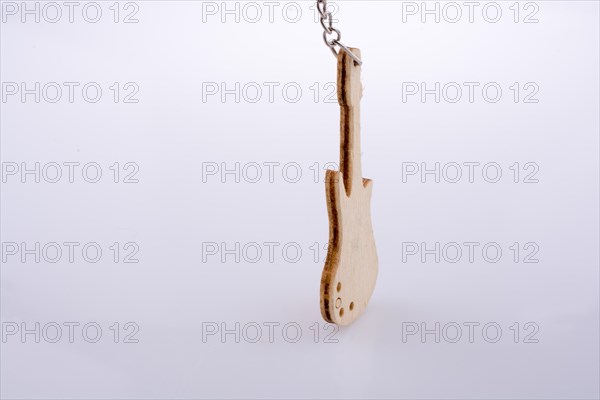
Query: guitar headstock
349	86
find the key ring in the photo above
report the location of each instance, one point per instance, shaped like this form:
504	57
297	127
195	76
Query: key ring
328	30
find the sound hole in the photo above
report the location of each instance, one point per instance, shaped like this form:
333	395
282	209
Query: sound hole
339	286
351	306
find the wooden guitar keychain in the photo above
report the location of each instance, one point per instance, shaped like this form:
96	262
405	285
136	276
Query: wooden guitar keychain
350	271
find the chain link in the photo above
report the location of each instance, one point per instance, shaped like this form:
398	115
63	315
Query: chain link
331	35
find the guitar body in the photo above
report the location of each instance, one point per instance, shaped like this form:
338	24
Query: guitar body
351	267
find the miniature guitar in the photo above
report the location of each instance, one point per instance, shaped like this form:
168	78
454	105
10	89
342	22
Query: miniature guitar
350	271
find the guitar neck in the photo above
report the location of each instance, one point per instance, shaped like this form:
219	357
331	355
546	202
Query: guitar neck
349	94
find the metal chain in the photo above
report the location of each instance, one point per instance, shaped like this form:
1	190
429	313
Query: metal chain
331	35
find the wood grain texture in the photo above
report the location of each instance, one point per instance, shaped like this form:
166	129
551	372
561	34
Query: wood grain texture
350	271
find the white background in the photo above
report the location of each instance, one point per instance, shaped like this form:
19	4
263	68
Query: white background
172	134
